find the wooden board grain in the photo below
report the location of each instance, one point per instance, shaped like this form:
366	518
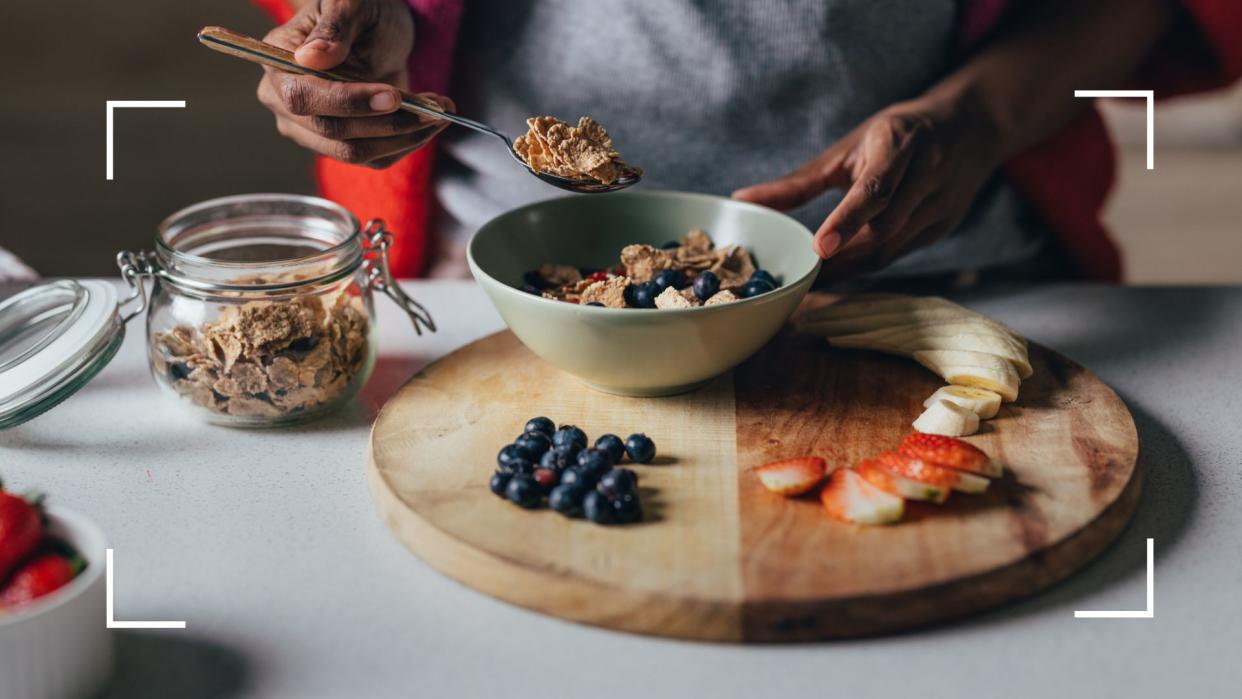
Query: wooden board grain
719	558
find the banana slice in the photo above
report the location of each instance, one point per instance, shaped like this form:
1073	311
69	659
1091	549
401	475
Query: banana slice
977	369
981	402
907	343
948	419
830	326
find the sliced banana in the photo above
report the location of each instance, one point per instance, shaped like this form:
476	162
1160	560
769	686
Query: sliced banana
948	419
978	369
907	343
984	403
832	327
872	304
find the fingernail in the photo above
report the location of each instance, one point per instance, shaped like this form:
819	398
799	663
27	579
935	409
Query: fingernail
828	244
317	45
383	101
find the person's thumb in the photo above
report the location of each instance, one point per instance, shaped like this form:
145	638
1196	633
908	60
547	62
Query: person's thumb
799	186
337	27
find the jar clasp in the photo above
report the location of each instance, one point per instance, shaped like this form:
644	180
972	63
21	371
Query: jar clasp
134	266
377	240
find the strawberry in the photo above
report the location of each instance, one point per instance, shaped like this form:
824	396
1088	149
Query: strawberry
850	498
923	471
950	452
41	575
792	476
21	530
598	276
898	484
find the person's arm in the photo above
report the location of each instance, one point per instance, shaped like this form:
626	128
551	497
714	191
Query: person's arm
912	171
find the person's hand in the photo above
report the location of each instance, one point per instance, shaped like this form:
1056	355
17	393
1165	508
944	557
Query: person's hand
351	122
911	173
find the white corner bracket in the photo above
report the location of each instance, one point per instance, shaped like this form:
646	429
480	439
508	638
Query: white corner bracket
1150	96
112	105
1150	612
114	624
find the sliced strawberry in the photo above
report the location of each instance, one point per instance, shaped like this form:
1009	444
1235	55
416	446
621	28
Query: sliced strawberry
923	471
897	484
850	498
41	575
950	452
598	276
792	476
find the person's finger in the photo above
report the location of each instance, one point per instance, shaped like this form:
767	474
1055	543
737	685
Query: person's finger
351	128
338	23
291	34
802	185
306	95
360	151
917	186
885	158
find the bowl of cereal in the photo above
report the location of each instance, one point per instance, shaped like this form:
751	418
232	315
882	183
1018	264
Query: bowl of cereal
648	293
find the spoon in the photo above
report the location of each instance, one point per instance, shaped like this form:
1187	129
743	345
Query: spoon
256	51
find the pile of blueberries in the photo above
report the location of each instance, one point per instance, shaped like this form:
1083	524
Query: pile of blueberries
705	286
643	294
577	480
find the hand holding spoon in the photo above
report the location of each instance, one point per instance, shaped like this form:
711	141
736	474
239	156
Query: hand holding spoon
256	51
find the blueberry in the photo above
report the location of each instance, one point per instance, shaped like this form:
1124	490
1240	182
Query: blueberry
754	287
670	245
532	290
643	295
578	477
706	285
546	479
597	508
567	499
626	508
666	278
628	294
536	280
640	448
569	434
594	460
540	424
560	458
617	482
508	453
765	276
523	491
498	483
532	445
518	465
596	303
613	445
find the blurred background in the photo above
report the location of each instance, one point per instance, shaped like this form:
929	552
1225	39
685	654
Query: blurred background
1181	223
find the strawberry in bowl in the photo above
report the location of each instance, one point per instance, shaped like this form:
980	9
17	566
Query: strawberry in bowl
52	595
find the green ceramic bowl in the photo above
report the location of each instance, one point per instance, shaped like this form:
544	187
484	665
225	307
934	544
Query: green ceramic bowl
639	352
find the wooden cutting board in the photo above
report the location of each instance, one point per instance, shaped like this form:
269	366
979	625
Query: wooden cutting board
718	557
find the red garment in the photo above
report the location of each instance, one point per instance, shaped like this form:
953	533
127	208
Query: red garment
1066	179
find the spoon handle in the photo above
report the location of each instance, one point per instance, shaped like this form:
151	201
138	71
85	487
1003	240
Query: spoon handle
250	49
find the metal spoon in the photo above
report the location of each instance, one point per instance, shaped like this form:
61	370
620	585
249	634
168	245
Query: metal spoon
256	51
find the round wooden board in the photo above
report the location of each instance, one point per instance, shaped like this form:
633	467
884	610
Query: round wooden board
718	557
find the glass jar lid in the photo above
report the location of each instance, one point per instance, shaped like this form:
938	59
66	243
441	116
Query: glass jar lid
53	339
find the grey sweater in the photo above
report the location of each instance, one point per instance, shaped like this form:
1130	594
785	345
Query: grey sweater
706	95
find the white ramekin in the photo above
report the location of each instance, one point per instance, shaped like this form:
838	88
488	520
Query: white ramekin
60	646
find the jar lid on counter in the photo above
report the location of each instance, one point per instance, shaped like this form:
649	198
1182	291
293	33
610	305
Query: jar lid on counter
54	338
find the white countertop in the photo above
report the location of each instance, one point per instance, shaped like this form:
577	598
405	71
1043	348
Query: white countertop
266	544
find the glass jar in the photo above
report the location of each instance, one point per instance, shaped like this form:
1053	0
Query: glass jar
260	312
